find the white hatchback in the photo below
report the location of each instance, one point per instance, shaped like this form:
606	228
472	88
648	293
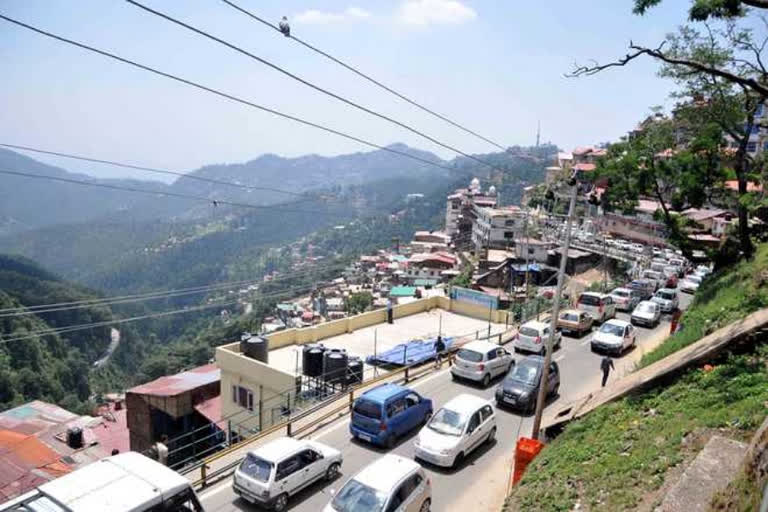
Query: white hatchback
271	473
533	336
460	426
389	483
481	361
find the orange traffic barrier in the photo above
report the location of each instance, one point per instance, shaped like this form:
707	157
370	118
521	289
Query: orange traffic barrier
525	451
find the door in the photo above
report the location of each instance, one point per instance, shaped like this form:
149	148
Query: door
415	410
627	342
288	476
492	362
313	466
406	497
396	417
610	306
552	378
505	359
475	431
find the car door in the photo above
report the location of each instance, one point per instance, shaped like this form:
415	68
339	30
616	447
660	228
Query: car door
610	308
415	410
492	362
313	465
289	476
474	431
406	496
487	419
505	359
552	378
396	415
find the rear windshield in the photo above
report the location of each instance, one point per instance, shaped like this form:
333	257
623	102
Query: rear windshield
570	317
621	293
589	300
256	468
529	331
470	355
667	295
646	307
368	409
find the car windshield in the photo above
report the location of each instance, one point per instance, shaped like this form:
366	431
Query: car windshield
621	293
666	295
529	331
589	300
526	373
570	317
256	468
646	308
470	355
446	421
368	409
616	330
357	497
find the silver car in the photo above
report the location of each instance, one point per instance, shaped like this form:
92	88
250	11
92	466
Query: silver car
532	337
481	361
625	299
667	300
646	313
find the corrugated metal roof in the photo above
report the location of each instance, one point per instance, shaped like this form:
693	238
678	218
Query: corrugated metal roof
181	382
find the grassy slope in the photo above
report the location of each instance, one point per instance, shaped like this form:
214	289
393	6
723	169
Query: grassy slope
617	457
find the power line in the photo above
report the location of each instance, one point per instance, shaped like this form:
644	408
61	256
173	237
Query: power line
150	169
363	75
308	83
222	94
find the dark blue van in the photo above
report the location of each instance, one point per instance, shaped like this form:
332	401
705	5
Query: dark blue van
386	412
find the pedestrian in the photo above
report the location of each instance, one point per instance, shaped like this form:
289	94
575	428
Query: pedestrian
606	365
675	321
439	351
390	317
161	448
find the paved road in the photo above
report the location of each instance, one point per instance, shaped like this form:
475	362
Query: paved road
481	484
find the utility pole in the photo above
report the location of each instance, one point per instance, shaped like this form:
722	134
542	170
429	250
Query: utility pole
527	256
542	395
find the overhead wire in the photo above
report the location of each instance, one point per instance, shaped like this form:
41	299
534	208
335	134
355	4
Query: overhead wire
309	84
222	94
356	71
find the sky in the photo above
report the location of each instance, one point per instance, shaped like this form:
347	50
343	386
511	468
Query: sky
495	67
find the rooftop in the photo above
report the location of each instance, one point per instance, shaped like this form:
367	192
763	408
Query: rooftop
698	214
385	472
172	385
275	450
585	167
382	392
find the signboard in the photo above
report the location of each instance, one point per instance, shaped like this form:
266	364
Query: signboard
474	297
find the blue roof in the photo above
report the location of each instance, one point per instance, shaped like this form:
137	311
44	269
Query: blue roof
381	393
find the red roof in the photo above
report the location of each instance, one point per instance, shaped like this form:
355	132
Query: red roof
751	186
172	385
585	167
583	150
111	434
211	409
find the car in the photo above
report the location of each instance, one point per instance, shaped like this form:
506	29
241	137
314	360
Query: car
382	414
703	270
677	262
667	300
457	428
614	336
656	277
690	283
637	248
646	313
574	321
671	281
644	287
533	337
391	482
481	361
520	387
625	298
671	270
598	305
272	473
657	253
658	266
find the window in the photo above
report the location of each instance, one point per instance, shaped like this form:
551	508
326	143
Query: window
486	412
288	467
412	400
242	397
404	492
309	457
509	234
751	147
367	409
531	250
474	422
491	355
395	407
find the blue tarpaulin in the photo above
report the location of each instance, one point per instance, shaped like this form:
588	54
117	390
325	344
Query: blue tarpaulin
532	267
411	352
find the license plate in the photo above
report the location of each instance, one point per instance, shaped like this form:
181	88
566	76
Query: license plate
365	437
510	399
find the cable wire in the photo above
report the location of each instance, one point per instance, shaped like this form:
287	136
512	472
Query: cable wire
363	75
309	84
221	93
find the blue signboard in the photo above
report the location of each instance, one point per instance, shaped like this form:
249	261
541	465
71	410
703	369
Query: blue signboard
475	297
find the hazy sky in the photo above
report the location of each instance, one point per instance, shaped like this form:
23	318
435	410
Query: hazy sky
495	66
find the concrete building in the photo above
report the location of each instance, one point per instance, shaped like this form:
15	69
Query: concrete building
533	250
429	266
497	227
460	207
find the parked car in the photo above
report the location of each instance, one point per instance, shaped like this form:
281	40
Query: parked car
657	253
644	287
637	248
391	482
646	313
703	270
599	306
533	336
520	387
272	473
654	276
574	321
625	298
481	361
382	414
690	284
658	266
614	336
667	300
463	424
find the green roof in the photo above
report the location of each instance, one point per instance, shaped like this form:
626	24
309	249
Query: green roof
425	282
403	291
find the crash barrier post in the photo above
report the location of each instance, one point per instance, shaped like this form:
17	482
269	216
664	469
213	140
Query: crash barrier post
525	451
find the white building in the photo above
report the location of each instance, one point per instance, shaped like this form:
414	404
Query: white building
497	227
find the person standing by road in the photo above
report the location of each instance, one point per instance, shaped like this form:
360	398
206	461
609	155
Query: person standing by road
439	351
606	365
390	317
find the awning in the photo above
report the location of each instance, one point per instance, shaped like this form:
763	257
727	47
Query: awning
211	410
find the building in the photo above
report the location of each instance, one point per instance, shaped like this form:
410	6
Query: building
175	405
533	250
429	266
460	210
758	137
497	227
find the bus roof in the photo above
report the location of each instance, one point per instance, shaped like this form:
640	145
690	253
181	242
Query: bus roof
128	482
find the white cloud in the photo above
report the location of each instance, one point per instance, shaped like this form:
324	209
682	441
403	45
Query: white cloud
438	12
315	17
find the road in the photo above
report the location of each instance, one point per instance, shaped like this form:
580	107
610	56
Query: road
114	337
481	484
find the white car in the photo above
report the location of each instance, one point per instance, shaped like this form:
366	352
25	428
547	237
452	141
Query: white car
652	275
598	305
533	336
460	426
481	361
690	284
667	300
614	336
388	483
646	313
703	270
271	473
625	299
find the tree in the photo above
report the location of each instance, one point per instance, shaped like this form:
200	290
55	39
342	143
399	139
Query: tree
702	10
359	302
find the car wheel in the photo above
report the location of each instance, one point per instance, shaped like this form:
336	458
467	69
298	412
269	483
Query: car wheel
556	389
281	502
425	506
390	442
491	435
486	380
459	460
453	376
332	472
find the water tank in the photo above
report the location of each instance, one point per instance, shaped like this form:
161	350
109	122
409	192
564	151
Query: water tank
312	360
354	371
75	437
335	366
256	347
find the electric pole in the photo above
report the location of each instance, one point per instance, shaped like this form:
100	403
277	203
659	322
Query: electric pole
542	394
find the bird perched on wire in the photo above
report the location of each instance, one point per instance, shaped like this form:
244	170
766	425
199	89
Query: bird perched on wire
285	28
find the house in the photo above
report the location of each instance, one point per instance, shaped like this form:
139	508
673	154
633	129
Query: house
497	227
532	249
460	210
429	265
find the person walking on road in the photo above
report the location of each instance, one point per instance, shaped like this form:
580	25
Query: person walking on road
606	365
439	351
390	317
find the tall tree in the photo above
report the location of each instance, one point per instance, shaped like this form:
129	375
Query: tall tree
702	10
